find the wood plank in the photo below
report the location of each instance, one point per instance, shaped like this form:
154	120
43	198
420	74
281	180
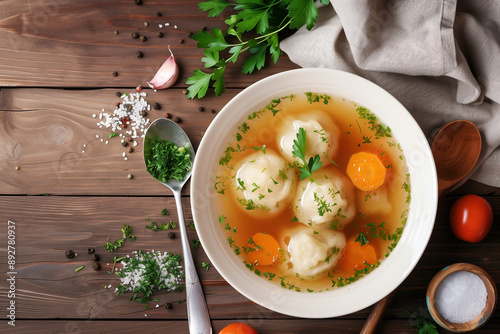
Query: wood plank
297	326
47	286
44	132
58	43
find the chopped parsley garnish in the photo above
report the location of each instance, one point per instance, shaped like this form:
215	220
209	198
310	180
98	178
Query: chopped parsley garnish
166	161
126	234
205	265
381	130
313	97
322	204
154	227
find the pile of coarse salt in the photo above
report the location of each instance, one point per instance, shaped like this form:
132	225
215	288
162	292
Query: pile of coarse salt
128	119
461	297
136	271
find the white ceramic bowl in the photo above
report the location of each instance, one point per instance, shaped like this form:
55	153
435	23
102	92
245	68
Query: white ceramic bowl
393	270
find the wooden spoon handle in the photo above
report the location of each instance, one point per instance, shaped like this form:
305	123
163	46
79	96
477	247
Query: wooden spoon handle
376	314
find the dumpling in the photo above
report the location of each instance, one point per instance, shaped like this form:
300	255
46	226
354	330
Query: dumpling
374	202
312	254
263	182
327	201
322	136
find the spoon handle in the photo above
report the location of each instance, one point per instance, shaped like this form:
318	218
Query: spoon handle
197	310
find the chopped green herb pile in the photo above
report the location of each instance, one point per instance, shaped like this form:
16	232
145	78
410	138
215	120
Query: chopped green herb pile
167	161
148	272
126	234
299	150
264	20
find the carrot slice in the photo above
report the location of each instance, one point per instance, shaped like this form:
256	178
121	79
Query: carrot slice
366	171
267	249
356	255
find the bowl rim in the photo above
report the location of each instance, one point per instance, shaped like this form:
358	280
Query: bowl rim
284	301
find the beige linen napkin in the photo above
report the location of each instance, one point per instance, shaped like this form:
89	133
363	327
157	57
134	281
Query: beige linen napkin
440	59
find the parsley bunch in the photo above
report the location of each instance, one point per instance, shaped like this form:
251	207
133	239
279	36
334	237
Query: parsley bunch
264	19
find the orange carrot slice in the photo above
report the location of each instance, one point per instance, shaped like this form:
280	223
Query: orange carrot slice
366	171
356	255
267	249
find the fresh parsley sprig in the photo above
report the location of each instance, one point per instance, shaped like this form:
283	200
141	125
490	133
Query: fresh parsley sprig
299	150
265	19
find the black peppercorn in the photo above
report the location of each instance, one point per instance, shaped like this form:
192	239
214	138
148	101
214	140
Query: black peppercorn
204	28
171	235
91	250
118	94
181	41
168	306
168	115
201	109
159	34
138	2
130	150
69	254
144	38
158	14
189	34
135	35
140	54
115	74
156	106
95	257
213	111
124	143
96	266
177	120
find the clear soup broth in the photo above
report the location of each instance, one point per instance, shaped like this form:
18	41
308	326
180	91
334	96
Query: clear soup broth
313	192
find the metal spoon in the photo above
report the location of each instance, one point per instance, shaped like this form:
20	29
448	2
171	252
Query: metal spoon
197	310
456	148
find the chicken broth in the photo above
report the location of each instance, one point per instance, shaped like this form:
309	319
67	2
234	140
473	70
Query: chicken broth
313	192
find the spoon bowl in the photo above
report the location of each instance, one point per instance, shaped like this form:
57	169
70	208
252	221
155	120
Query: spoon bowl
166	130
456	148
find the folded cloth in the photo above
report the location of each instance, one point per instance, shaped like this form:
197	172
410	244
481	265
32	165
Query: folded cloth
440	59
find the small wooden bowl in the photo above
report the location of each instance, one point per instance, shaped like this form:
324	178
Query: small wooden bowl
485	314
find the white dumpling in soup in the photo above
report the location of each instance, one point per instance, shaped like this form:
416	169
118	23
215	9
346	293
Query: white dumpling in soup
374	202
327	201
263	182
322	136
312	252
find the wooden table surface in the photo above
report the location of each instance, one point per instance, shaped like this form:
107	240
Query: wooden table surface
71	191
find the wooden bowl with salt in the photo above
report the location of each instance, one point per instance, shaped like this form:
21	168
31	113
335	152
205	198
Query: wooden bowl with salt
461	297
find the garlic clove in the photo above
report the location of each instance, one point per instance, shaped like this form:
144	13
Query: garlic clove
167	74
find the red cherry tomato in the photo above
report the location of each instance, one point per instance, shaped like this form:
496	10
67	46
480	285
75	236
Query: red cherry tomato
471	218
238	328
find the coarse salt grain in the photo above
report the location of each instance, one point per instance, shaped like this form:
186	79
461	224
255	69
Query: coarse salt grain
461	297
